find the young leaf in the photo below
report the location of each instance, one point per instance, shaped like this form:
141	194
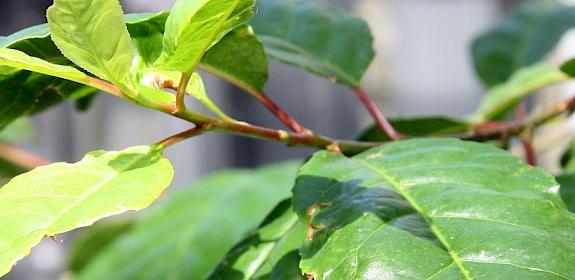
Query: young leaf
93	34
523	38
432	209
187	235
271	253
20	60
196	25
320	38
61	197
567	182
418	127
501	99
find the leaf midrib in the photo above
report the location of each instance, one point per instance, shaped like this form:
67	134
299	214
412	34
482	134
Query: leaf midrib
435	230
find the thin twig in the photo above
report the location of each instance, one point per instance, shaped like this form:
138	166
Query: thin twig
376	113
489	131
527	136
21	158
172	140
282	116
264	99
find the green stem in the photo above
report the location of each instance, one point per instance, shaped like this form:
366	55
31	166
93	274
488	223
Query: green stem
181	92
304	139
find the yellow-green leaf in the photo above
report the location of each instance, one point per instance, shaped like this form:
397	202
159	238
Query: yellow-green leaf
93	35
61	197
194	26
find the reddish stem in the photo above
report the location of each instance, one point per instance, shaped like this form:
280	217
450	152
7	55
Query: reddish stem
527	136
284	117
20	157
376	113
172	140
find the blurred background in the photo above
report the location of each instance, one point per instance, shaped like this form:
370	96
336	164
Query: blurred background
423	67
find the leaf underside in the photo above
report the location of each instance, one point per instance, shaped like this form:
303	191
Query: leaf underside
432	209
60	197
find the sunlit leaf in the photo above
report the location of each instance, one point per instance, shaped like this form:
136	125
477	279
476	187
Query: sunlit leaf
61	197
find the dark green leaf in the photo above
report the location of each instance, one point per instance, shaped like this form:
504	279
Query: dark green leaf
524	38
418	127
432	209
567	160
567	182
271	253
61	197
194	26
186	236
26	93
239	57
320	38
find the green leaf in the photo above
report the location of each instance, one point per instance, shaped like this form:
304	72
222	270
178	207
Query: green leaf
20	60
25	93
567	182
320	38
240	58
271	253
523	38
418	127
187	235
432	209
92	240
93	34
194	26
61	197
147	32
501	99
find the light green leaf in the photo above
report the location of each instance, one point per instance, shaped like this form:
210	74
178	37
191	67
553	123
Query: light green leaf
93	34
320	38
271	253
196	25
418	127
432	209
187	235
20	60
501	99
61	197
525	37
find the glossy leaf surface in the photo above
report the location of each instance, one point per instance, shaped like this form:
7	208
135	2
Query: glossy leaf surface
418	127
187	235
320	38
61	197
501	99
432	209
271	253
93	34
525	37
194	26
